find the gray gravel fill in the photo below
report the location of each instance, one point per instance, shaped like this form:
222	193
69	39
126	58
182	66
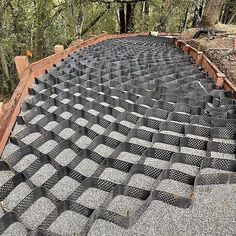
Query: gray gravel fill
187	169
5	176
65	157
36	119
87	167
78	106
127	124
93	112
66	133
64	188
141	181
140	142
30	138
51	125
124	205
92	198
37	213
65	101
83	142
103	150
193	151
120	109
156	163
98	129
113	175
47	146
129	157
68	223
66	115
118	136
25	162
15	229
148	129
81	121
109	118
168	147
43	174
16	196
52	109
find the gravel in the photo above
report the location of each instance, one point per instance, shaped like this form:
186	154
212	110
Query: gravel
90	99
37	118
120	109
66	133
16	229
171	133
52	109
227	141
93	112
64	188
187	169
137	114
66	115
40	103
222	155
175	187
5	176
213	171
141	181
77	94
109	118
148	129
104	150
105	104
53	95
68	223
37	213
65	101
9	149
81	121
197	137
124	205
25	162
168	147
30	138
113	175
156	163
127	124
140	142
129	157
78	106
83	142
43	174
118	136
92	198
98	129
193	151
47	146
16	196
87	167
65	157
51	125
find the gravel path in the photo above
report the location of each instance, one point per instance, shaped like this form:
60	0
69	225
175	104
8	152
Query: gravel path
64	188
66	115
78	106
222	155
92	198
25	162
118	136
187	169
175	187
148	129
16	196
227	141
127	124
43	174
37	213
168	147
98	129
5	176
52	109
141	181
113	175
68	223
129	157
109	118
47	146
15	229
83	142
51	125
30	138
140	142
87	167
65	157
36	119
81	122
103	150
124	205
156	163
65	101
66	133
120	109
93	112
192	151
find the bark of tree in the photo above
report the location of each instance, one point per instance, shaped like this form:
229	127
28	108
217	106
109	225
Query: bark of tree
130	17
211	14
80	20
4	69
122	19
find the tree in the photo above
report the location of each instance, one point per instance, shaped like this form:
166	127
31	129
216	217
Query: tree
211	14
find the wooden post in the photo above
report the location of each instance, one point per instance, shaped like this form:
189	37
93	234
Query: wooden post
220	80
22	63
58	49
199	58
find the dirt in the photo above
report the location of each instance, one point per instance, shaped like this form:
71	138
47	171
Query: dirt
219	49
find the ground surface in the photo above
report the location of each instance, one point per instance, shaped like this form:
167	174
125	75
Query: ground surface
219	49
126	137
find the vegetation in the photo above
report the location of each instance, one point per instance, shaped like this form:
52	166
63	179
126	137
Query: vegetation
38	25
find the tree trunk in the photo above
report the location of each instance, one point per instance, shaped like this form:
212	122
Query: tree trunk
211	14
122	19
80	20
39	42
146	15
3	67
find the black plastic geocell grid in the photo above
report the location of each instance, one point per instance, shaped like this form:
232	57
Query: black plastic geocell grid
141	87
